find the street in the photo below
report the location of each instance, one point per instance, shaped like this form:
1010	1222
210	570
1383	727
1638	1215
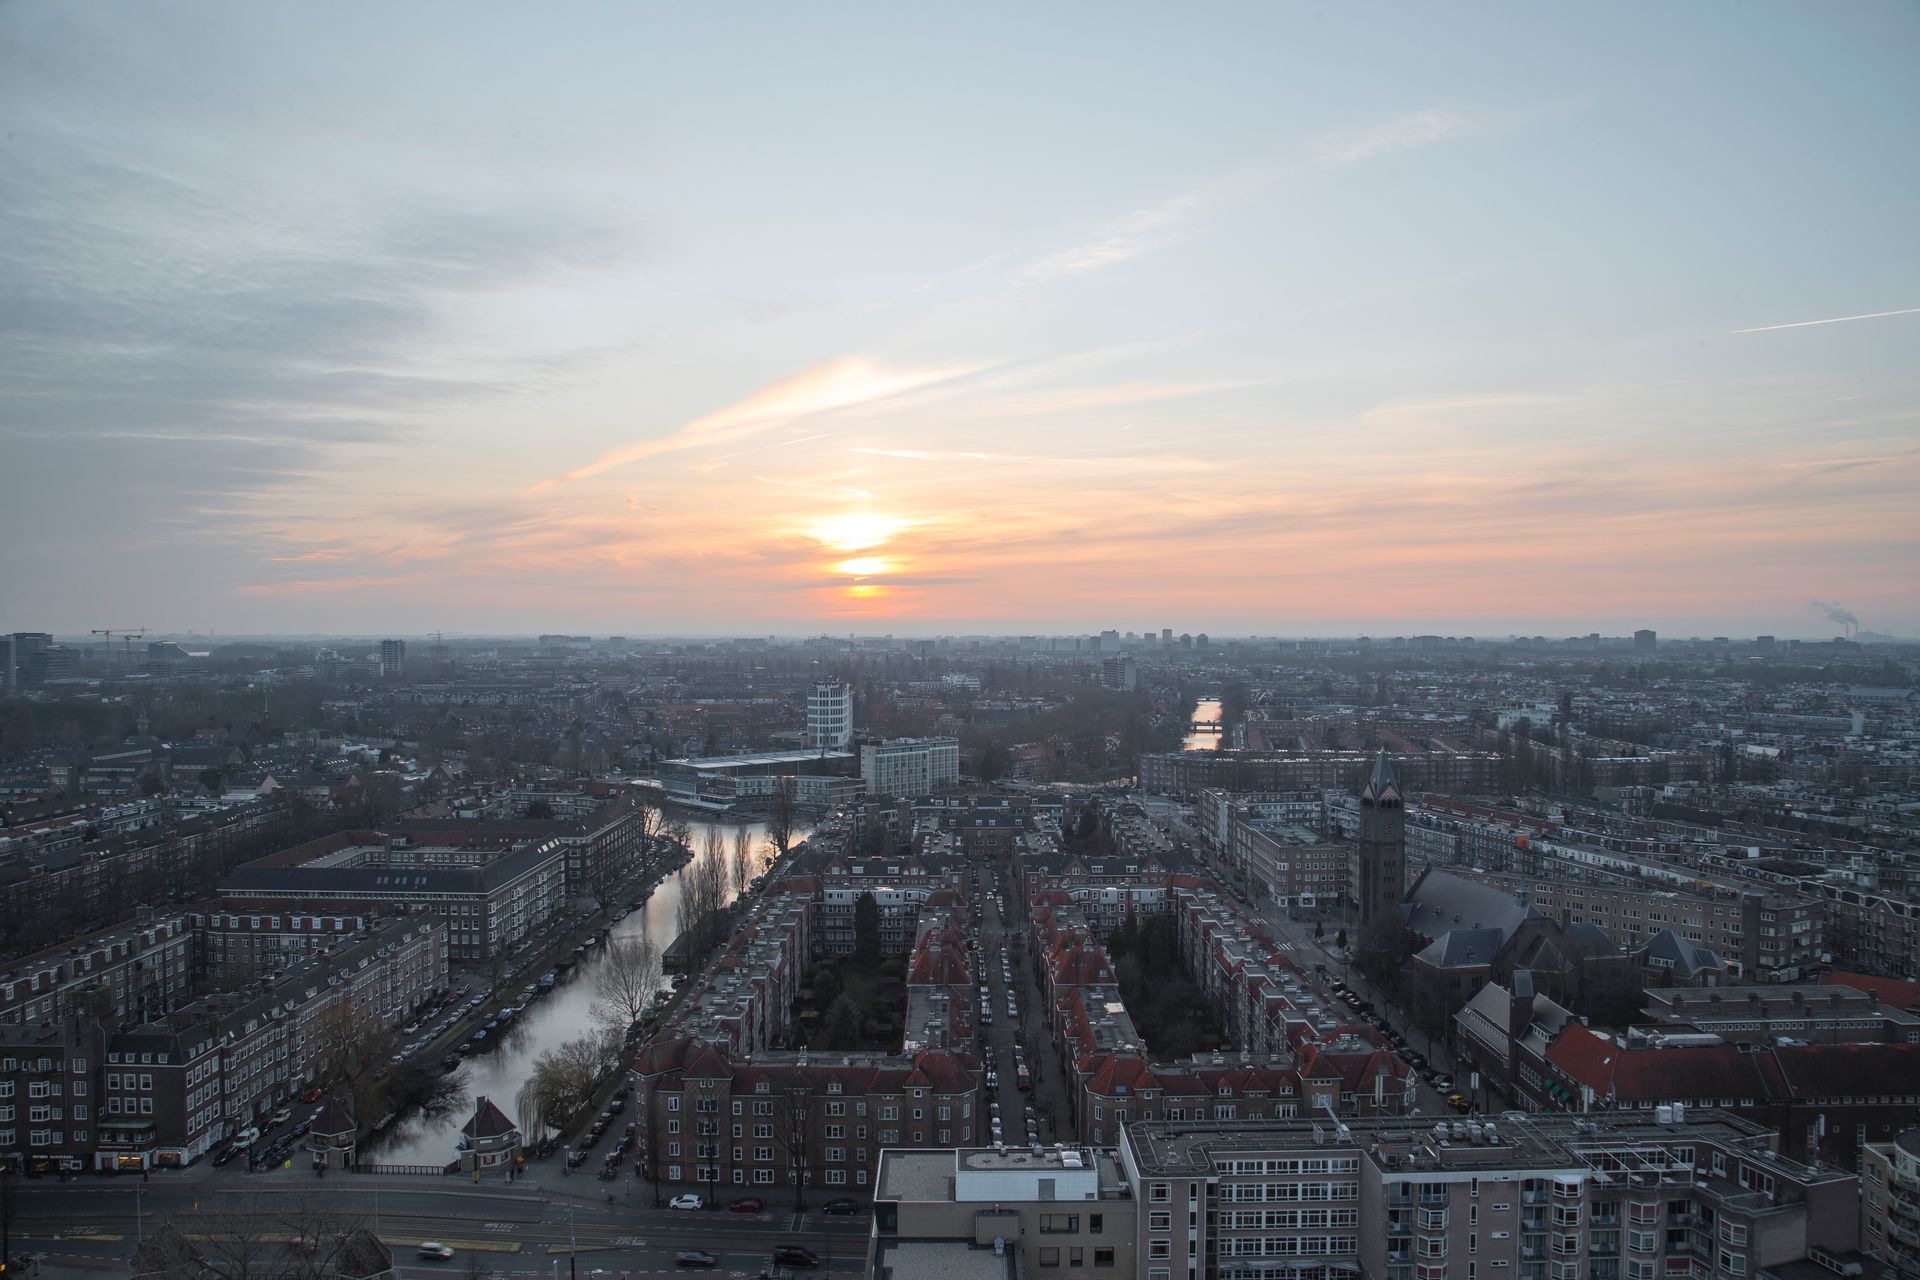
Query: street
89	1227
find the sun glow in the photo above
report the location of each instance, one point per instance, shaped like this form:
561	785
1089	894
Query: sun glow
864	566
856	530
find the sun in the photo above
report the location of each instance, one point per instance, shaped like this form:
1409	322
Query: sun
856	530
864	566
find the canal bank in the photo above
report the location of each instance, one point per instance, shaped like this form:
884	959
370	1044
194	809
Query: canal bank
561	1015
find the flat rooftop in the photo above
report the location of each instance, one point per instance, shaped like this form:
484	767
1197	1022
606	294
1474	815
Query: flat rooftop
941	1260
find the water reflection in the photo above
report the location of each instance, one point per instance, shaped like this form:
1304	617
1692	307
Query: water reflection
1207	711
561	1015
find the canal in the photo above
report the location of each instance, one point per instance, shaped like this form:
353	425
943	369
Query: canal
559	1016
1205	712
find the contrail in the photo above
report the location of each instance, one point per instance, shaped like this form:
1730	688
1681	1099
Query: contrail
1801	324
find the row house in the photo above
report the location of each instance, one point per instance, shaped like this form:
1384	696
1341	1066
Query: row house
1874	932
783	1117
121	1095
744	1001
135	971
233	948
726	1106
1295	1048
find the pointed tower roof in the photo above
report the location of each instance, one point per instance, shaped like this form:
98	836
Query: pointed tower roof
1382	786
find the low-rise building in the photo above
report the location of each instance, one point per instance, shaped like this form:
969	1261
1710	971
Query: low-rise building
1050	1211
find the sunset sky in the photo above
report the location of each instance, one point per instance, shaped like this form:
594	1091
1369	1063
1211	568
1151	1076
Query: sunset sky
1278	318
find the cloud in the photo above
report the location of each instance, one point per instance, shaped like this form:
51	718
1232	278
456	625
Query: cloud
1117	241
838	384
1808	324
1402	133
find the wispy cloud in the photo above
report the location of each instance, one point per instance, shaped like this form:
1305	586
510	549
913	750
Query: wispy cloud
1117	241
1807	324
838	384
1402	133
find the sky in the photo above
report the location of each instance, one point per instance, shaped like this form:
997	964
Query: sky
1282	319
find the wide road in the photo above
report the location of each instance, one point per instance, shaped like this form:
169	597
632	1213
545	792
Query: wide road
91	1227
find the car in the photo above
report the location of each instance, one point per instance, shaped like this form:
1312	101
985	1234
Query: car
695	1258
746	1204
1442	1081
840	1208
1456	1099
686	1201
280	1115
225	1156
246	1137
433	1251
313	1095
792	1255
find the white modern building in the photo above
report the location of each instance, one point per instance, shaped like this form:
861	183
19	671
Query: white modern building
910	766
830	716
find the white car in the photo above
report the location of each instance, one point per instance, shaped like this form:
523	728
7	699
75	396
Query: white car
435	1252
688	1201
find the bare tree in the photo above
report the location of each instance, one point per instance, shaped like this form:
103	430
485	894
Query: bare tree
241	1239
780	819
315	1230
703	895
740	860
793	1108
629	977
347	1045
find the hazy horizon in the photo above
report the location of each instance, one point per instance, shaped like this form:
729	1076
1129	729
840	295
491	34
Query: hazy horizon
1263	320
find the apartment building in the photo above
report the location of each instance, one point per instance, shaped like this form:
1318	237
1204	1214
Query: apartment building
1293	1052
134	971
1518	1199
1890	1203
491	899
728	1108
125	1094
1763	935
910	766
830	715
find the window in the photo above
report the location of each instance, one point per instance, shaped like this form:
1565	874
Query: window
1103	1257
1049	1256
1060	1223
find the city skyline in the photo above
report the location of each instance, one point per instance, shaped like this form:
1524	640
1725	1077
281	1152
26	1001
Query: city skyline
1502	321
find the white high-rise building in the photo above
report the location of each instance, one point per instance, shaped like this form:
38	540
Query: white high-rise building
910	766
830	716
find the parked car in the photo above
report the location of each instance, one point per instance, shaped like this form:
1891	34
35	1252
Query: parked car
746	1204
434	1252
279	1116
225	1156
695	1258
841	1207
313	1095
687	1201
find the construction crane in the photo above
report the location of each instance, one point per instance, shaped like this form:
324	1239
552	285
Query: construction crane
127	636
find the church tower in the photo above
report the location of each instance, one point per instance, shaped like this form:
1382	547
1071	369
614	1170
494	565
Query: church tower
1380	849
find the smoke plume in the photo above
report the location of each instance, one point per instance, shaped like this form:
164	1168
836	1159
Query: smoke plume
1834	612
